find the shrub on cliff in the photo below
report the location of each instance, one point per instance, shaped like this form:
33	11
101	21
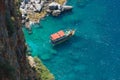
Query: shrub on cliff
43	72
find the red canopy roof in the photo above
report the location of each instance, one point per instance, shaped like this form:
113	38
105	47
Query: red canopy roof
57	35
61	33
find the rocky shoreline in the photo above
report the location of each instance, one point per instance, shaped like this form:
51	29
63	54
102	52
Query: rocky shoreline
34	10
42	72
37	67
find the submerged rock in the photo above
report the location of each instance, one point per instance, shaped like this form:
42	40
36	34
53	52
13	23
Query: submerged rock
45	56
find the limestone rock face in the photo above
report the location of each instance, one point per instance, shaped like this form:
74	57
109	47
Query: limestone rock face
56	8
56	12
13	62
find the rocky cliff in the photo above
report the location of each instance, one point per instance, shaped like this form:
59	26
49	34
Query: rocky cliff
14	65
13	62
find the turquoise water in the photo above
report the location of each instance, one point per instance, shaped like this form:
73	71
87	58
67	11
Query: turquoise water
93	53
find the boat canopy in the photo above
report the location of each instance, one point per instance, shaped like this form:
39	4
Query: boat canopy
61	33
57	35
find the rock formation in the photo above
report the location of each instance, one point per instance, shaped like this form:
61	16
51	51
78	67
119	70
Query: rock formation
56	8
13	62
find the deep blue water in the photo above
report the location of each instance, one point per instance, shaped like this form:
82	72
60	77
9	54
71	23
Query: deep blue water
93	53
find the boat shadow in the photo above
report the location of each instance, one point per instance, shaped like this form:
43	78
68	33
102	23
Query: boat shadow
68	44
79	41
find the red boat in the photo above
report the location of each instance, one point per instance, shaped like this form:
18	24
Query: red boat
61	36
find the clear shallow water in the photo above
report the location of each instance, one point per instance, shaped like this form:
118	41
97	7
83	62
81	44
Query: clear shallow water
93	53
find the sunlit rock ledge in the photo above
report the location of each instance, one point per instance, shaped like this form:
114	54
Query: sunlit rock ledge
34	10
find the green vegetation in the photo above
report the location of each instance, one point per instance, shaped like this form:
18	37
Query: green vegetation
43	72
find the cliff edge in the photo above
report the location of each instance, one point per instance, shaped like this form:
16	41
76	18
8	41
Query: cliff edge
13	62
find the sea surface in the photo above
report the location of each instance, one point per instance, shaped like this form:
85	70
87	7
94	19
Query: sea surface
93	53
